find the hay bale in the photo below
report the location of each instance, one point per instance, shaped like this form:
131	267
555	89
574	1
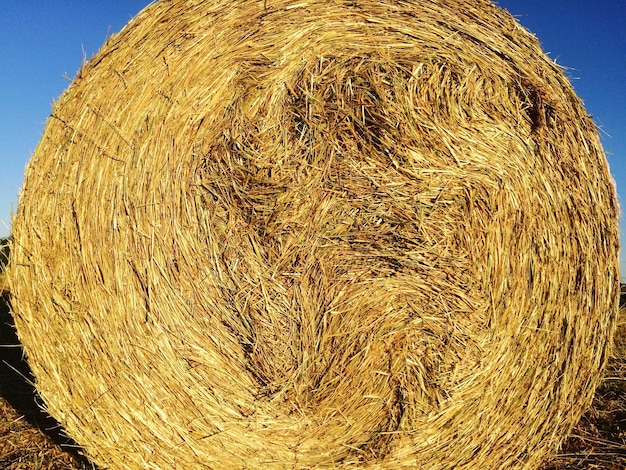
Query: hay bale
317	234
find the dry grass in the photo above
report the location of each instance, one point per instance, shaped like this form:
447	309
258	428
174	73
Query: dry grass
23	446
318	234
4	259
599	440
31	441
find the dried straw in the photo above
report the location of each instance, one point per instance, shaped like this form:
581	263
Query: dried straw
284	234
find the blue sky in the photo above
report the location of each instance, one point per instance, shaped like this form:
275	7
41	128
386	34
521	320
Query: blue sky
43	41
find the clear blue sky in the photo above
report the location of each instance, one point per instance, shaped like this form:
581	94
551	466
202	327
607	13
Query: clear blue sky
41	41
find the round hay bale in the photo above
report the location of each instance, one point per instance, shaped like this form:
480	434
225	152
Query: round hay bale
285	234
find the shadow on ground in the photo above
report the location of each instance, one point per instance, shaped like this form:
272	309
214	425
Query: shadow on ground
16	385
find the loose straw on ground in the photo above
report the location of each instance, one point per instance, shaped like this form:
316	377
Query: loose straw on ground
350	234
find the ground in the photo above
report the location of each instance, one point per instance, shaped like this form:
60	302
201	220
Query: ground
31	440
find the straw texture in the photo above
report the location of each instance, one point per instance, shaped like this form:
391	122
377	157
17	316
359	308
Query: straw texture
350	234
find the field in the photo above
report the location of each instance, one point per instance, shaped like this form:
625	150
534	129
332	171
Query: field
30	439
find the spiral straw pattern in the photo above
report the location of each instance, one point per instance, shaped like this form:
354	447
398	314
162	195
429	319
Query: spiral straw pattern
350	234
